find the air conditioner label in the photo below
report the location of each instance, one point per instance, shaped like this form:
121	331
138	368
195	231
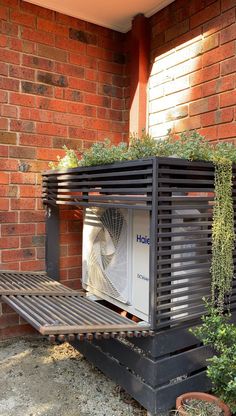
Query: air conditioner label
143	239
142	277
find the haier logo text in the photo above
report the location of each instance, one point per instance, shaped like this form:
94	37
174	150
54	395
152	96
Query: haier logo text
143	239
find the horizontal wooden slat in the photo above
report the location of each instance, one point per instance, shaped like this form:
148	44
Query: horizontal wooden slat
53	315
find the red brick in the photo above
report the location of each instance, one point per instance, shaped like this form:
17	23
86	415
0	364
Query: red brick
211	42
8	137
228	66
23	18
73	284
52	104
228	34
49	154
33	265
23	203
72	70
22	99
70	45
227	4
4	204
32	216
70	261
37	62
37	36
30	191
11	29
221	53
21	72
204	15
110	67
83	85
8	320
3	41
75	273
8	164
227	99
51	27
227	130
4	178
51	129
204	105
217	117
52	53
209	132
21	254
214	25
97	100
97	124
10	266
3	124
19	125
82	109
40	228
83	60
9	242
18	330
27	113
87	134
219	85
3	68
3	150
9	111
3	97
9	84
8	217
4	13
9	56
35	140
23	177
38	11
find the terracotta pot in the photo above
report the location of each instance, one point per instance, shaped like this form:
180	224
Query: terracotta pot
200	396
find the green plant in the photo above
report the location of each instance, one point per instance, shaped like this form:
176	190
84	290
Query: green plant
217	332
222	266
70	160
104	153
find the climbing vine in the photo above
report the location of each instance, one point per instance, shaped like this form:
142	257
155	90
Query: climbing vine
222	267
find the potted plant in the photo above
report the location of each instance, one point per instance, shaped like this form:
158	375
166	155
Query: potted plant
201	404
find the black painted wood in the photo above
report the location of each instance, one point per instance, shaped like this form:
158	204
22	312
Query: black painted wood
52	242
153	399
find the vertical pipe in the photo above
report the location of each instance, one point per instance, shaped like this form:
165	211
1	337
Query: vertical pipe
52	242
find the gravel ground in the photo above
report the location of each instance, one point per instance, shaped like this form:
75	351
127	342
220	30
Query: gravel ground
38	379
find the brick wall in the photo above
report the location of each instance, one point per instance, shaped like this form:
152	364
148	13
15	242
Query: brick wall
193	63
62	81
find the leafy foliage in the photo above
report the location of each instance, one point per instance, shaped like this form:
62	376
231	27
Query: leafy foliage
69	161
222	266
104	153
217	332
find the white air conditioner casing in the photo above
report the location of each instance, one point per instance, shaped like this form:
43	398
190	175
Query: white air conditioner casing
116	257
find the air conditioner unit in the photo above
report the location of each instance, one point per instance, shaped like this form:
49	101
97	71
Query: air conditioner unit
116	258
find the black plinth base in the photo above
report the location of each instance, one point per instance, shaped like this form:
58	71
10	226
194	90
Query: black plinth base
153	370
